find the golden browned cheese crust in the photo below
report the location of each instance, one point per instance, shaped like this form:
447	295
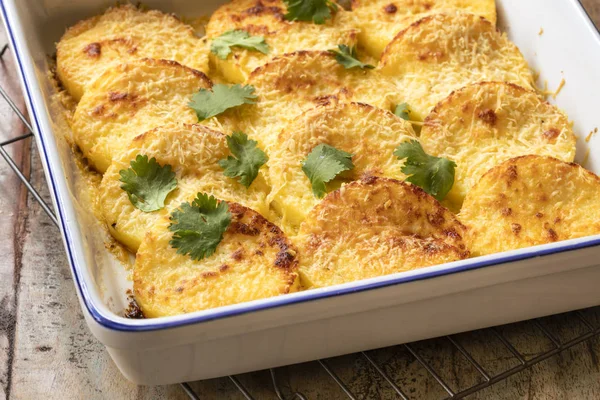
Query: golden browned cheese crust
290	84
266	18
374	227
120	35
253	261
193	152
132	73
130	99
370	134
380	20
445	52
484	124
531	200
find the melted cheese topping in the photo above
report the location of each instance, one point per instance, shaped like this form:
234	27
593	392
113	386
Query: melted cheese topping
376	227
531	200
253	261
485	124
380	20
266	18
444	52
130	99
193	152
370	134
123	34
372	226
296	82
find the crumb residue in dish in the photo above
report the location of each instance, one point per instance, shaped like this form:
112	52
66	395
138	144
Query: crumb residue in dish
585	158
547	92
559	88
60	94
86	180
591	135
133	310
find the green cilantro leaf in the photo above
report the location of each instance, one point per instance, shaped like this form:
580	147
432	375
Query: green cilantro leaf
247	158
147	183
316	11
346	56
403	111
434	175
208	103
323	164
221	45
198	228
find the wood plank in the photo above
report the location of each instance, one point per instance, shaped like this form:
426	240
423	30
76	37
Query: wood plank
13	216
55	355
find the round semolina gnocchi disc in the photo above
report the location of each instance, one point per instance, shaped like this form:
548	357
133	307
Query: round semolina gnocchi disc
193	152
254	260
445	52
380	20
120	35
266	18
484	124
370	134
531	200
290	84
130	99
375	227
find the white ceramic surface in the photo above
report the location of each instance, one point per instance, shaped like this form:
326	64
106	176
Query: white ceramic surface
299	327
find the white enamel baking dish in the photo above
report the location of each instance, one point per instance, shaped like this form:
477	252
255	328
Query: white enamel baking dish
327	322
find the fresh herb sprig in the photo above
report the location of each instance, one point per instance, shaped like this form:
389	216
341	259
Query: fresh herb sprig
246	161
435	175
209	103
221	45
324	164
346	56
317	11
147	183
198	228
403	111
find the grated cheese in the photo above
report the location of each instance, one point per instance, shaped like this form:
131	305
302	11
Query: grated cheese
130	99
122	34
370	134
445	52
376	227
381	20
265	18
531	200
193	151
485	124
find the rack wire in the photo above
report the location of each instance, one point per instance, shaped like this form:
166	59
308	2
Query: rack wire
387	378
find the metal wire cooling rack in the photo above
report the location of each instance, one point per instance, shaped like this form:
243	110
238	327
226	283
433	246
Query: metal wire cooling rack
391	383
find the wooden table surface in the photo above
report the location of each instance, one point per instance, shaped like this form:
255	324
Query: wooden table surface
47	352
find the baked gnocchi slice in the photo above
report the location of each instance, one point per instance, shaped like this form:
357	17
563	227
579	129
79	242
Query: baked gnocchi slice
380	20
123	34
191	155
445	52
290	84
130	99
369	134
528	201
253	260
375	227
245	34
484	124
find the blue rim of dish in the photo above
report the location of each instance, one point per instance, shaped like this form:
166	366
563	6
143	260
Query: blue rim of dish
156	324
